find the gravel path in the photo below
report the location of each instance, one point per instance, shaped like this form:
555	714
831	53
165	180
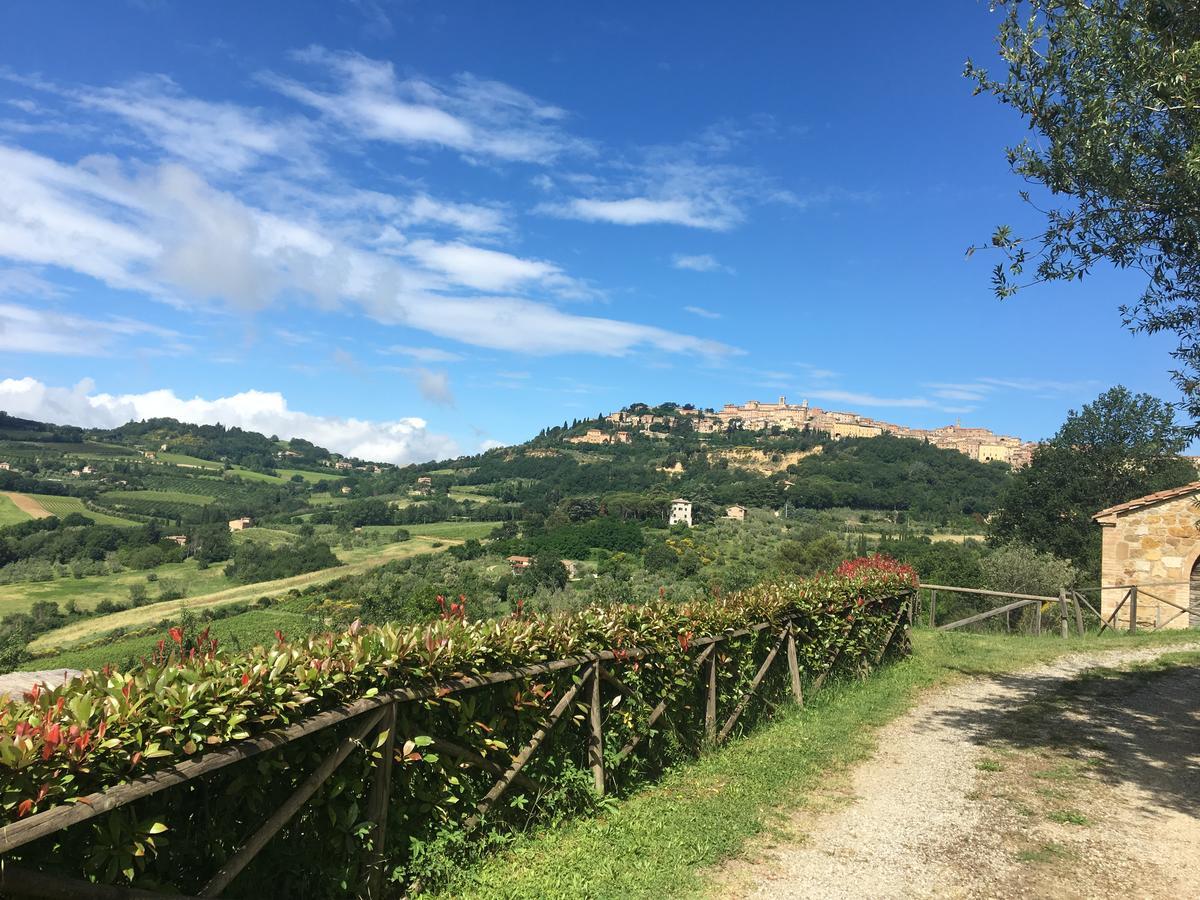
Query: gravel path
964	800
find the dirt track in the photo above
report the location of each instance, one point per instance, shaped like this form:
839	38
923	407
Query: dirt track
27	504
1026	785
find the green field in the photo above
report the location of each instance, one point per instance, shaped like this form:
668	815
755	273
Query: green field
202	593
455	531
64	506
252	628
9	514
182	459
158	497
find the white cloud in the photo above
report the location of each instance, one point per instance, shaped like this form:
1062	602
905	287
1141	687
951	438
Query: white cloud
399	441
470	115
702	312
213	136
704	262
490	444
492	270
165	232
645	211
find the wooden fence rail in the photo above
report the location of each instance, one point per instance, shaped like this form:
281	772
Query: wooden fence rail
373	724
1071	603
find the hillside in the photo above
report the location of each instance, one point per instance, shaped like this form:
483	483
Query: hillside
107	534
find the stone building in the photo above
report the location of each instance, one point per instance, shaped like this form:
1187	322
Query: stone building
681	511
737	513
1152	542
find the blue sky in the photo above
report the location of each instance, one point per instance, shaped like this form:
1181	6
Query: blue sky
415	229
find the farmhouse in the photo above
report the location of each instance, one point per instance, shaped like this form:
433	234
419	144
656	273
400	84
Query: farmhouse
681	511
519	563
180	539
1152	542
737	513
240	524
6	467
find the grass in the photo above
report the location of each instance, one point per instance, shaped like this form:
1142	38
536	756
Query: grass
455	531
159	497
255	627
9	513
64	506
661	840
182	459
355	562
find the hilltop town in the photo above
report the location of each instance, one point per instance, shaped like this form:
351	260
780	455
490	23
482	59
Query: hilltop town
980	444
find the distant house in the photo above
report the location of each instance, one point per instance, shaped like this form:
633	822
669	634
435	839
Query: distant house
681	512
519	563
5	467
343	464
163	448
424	485
737	513
88	470
240	524
181	539
149	454
346	488
75	473
623	437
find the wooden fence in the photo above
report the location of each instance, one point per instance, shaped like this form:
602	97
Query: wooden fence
372	722
1072	607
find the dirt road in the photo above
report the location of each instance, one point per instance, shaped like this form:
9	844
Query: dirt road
1050	783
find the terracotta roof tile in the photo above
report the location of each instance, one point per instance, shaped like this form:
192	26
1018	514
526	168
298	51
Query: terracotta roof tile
1149	500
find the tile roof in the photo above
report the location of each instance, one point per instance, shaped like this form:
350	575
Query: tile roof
1149	500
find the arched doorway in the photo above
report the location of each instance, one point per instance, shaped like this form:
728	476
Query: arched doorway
1194	596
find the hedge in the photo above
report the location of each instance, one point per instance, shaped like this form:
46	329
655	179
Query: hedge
108	726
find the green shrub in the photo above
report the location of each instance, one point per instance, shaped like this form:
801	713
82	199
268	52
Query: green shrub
109	726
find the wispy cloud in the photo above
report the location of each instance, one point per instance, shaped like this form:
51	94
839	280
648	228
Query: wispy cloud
424	354
868	400
702	312
435	387
704	262
25	329
478	118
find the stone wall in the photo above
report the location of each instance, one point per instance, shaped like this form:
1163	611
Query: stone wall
1148	546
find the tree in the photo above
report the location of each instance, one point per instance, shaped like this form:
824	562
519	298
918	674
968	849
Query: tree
1112	88
1119	447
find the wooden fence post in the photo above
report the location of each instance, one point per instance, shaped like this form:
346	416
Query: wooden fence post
378	801
596	736
1133	592
1078	613
1037	619
932	608
794	667
710	706
1063	627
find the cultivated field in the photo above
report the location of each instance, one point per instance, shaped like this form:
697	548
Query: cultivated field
355	562
64	506
10	513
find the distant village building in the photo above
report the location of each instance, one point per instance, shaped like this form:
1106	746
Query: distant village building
240	524
343	464
163	448
755	415
181	539
519	563
1152	541
6	467
737	513
346	488
149	454
681	511
88	470
425	484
